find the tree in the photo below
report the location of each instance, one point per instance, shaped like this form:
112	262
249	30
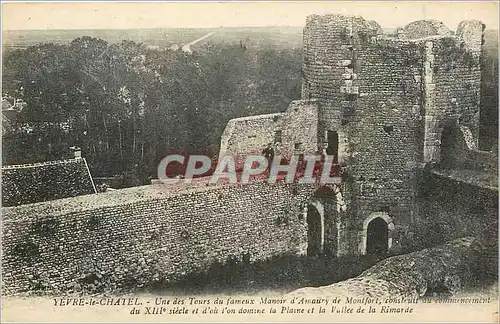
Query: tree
128	106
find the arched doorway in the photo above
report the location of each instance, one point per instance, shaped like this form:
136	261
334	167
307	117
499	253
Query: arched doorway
331	200
377	237
448	147
376	234
333	145
453	146
315	229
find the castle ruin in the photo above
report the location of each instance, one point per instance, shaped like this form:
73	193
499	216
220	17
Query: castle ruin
399	112
383	106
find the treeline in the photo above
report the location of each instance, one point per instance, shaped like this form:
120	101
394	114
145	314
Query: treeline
489	92
127	106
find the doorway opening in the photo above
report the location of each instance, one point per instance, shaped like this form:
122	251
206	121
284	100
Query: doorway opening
377	237
314	232
333	145
450	148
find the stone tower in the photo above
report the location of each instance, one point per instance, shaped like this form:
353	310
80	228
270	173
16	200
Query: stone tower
379	104
384	101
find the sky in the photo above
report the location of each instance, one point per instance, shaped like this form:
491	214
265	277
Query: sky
122	15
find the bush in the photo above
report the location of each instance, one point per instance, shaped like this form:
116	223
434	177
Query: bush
26	249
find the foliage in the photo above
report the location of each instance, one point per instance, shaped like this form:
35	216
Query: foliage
128	106
93	222
456	55
45	227
26	249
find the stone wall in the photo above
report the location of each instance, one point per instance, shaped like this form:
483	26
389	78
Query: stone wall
489	90
482	160
425	28
250	135
369	89
452	85
451	209
384	134
389	99
135	236
460	157
331	46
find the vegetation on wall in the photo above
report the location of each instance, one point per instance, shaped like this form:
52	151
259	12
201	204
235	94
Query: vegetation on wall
26	249
46	227
93	222
455	55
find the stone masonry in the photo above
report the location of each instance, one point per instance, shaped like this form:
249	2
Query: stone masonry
136	236
382	104
293	131
388	99
32	183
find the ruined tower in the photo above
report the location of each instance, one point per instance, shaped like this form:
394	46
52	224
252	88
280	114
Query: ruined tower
384	102
387	107
380	104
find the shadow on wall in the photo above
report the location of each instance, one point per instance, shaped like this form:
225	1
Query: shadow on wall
290	272
282	273
449	209
453	147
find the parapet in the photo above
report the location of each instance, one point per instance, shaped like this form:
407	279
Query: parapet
471	33
344	26
355	29
425	28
